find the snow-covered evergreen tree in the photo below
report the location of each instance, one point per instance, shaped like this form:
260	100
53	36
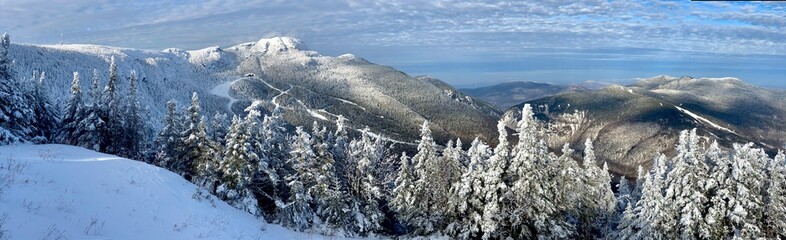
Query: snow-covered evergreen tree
467	198
197	149
236	170
92	126
746	208
72	115
219	128
168	141
685	194
494	188
419	216
598	201
364	160
331	201
46	118
716	224
111	113
298	213
135	129
17	122
775	209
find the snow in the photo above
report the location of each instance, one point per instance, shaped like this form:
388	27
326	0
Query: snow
81	194
697	117
223	91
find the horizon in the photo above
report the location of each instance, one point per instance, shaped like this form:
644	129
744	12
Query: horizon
466	44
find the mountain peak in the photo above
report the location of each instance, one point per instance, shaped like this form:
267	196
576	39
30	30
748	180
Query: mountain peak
279	44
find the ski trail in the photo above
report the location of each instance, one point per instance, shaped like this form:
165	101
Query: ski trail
697	117
223	91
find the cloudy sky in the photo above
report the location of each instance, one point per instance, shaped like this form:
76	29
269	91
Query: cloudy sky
466	43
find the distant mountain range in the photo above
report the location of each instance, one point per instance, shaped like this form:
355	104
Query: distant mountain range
509	94
629	124
279	72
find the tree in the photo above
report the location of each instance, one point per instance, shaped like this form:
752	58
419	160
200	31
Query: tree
236	170
331	201
746	209
46	119
135	128
467	201
169	142
92	125
420	215
494	187
686	188
197	149
716	224
16	117
73	114
298	214
598	201
776	203
219	128
110	113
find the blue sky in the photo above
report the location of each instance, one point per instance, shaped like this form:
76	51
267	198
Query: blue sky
466	43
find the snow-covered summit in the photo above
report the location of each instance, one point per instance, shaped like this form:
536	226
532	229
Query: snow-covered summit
278	45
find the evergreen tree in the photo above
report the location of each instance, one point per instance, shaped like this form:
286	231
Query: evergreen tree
110	113
467	201
298	213
716	224
197	149
746	208
92	124
236	170
651	215
494	188
219	128
46	119
16	117
70	131
776	202
135	128
686	188
419	216
331	201
169	142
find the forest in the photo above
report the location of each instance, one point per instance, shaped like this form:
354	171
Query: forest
322	178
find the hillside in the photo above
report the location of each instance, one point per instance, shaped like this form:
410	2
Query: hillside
66	192
309	86
509	94
629	124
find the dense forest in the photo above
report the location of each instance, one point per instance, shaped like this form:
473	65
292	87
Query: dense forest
324	179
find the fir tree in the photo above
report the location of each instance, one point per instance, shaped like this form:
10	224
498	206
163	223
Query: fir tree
467	201
92	124
197	149
110	113
236	170
494	187
776	203
219	128
298	213
70	131
135	129
686	188
169	142
16	117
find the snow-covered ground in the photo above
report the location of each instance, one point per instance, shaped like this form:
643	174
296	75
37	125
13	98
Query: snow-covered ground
74	193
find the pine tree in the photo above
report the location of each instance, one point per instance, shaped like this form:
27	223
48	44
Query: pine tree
70	131
236	170
716	224
404	193
419	216
494	187
651	215
197	149
110	113
746	209
169	142
16	121
46	119
298	214
92	125
686	188
331	206
776	203
135	128
219	128
467	199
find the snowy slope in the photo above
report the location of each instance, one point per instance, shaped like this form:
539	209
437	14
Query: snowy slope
60	190
388	101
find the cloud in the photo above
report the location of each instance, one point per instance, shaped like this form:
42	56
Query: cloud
440	30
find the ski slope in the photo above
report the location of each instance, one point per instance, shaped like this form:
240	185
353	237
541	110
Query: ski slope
73	193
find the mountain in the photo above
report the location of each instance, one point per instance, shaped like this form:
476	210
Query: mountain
66	192
279	72
629	124
508	94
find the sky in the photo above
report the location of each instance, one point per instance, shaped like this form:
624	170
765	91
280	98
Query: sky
465	43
